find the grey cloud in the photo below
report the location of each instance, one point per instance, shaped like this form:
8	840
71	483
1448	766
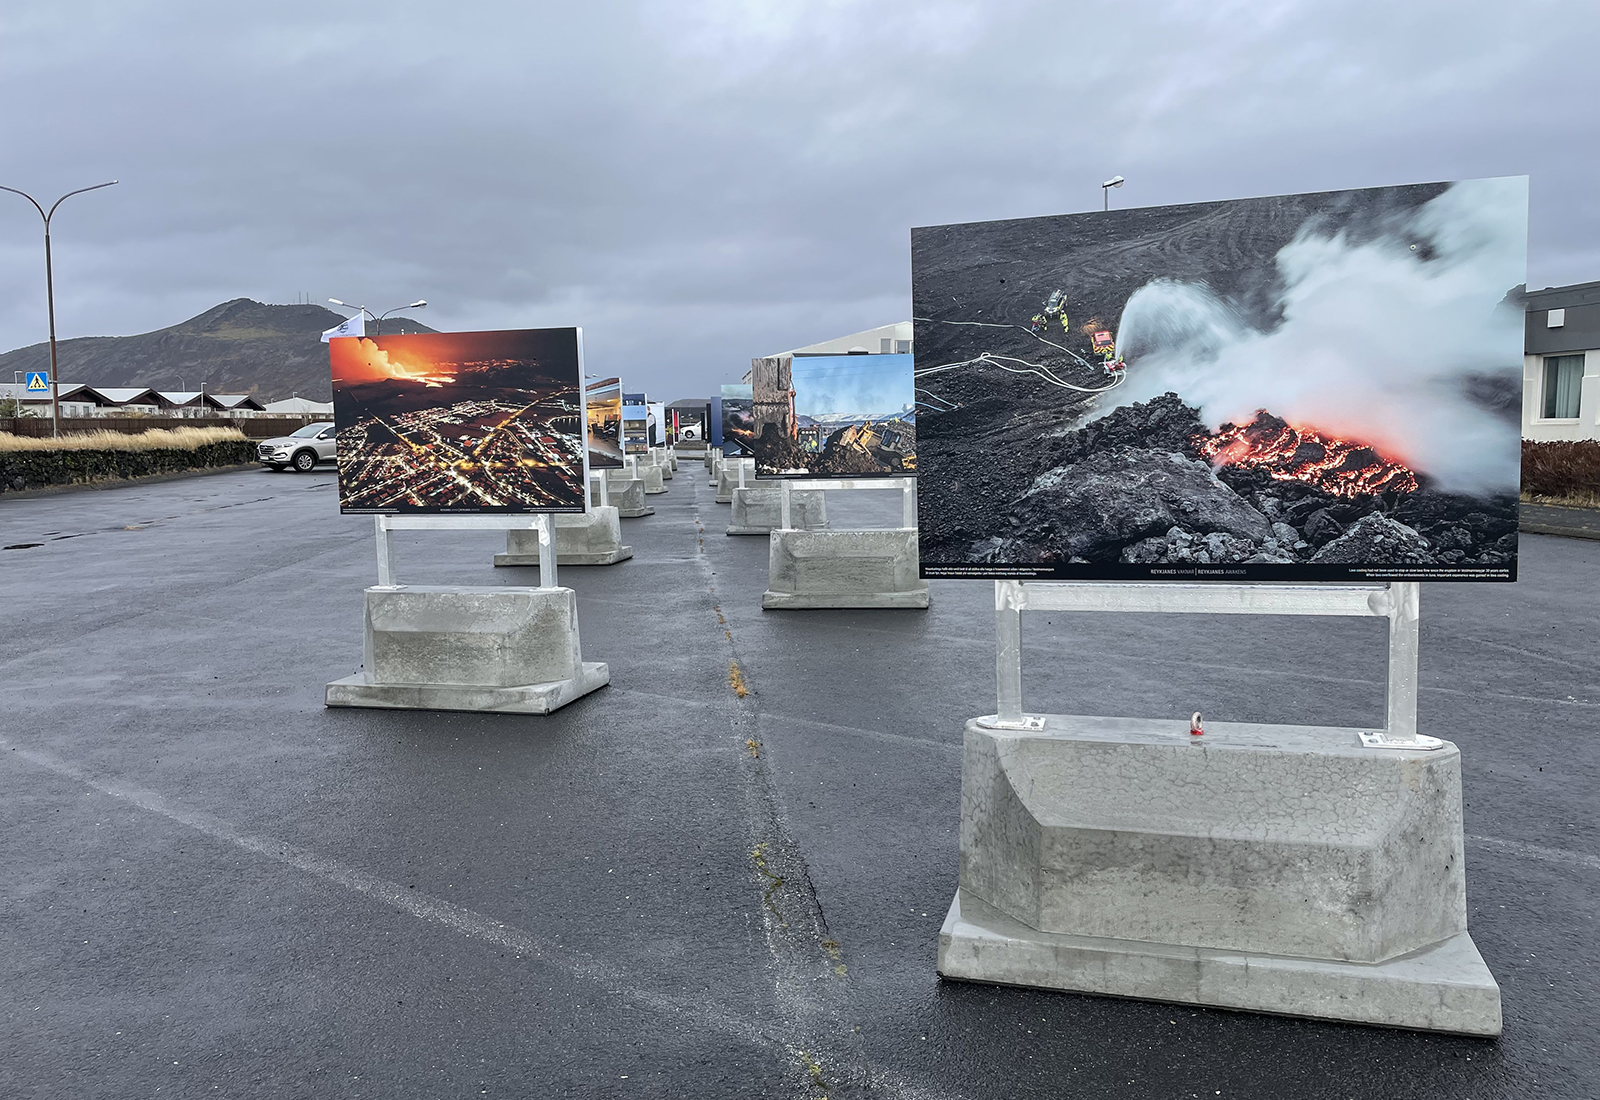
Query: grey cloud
696	184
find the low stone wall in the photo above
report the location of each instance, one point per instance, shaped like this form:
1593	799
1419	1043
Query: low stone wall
21	470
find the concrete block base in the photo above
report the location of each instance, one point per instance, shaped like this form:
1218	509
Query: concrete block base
1276	868
627	497
760	511
1445	987
834	569
654	482
354	691
587	538
504	649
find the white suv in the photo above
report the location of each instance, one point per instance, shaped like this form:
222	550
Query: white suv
302	449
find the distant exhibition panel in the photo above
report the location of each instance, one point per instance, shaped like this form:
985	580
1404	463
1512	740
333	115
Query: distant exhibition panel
635	430
688	425
738	425
603	402
460	422
834	416
1315	387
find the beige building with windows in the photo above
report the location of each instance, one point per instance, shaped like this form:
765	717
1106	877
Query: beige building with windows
1561	364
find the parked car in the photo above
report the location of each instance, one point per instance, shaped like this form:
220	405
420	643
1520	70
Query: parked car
302	449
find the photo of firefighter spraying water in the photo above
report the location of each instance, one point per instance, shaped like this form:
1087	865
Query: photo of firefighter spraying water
1300	387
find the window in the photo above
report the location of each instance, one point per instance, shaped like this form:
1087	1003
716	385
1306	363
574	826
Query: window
903	347
883	345
1563	380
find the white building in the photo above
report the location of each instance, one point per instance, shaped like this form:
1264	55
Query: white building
892	339
1561	364
299	406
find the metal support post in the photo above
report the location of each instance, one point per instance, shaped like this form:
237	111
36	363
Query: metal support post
385	551
908	504
1404	618
547	550
1008	657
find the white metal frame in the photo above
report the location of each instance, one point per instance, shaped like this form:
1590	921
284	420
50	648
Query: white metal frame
1399	602
906	485
542	522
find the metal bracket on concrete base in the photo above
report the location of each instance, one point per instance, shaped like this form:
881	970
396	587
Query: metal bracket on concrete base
1033	722
1398	602
386	526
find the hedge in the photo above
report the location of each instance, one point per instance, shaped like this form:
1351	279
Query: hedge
1561	469
68	466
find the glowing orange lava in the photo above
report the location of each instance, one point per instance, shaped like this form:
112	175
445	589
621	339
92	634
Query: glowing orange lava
1342	467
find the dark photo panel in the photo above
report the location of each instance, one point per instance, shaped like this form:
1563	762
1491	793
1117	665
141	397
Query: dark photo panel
1301	387
738	422
460	422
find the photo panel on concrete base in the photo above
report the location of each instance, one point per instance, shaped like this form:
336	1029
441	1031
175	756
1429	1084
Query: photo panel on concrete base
738	425
603	401
635	430
1301	387
460	422
834	416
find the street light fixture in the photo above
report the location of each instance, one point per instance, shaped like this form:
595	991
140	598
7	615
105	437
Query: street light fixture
377	318
1105	189
50	292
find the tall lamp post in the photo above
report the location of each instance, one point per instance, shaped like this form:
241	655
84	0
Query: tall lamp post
50	292
1105	189
377	318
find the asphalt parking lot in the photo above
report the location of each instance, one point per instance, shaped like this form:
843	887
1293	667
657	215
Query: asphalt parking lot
216	887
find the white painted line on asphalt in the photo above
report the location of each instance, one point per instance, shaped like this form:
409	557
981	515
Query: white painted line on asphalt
1536	851
459	919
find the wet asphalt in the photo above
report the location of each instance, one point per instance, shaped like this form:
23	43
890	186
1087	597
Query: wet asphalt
215	887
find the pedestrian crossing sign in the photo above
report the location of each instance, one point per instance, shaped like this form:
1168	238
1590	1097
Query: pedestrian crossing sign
38	382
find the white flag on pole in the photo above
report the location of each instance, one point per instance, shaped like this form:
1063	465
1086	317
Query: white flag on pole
353	326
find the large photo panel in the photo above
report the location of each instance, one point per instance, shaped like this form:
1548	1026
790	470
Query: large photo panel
603	402
834	416
738	422
460	422
1302	387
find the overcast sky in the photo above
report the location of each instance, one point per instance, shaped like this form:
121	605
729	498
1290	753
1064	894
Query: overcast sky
697	183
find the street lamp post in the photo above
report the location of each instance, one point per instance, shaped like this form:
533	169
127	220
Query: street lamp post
50	293
377	318
1105	189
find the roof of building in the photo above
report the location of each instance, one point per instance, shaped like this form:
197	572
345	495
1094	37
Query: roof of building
868	340
1562	297
126	395
299	405
234	401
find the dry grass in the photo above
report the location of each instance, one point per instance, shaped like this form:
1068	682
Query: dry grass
181	439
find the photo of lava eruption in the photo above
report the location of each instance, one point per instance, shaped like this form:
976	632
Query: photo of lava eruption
460	422
834	416
603	401
738	424
1302	387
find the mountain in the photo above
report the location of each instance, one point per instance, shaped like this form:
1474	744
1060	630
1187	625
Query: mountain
240	346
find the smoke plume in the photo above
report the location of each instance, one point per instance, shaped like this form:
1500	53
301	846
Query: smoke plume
1378	338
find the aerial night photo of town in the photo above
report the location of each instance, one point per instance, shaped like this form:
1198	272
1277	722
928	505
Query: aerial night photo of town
460	422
